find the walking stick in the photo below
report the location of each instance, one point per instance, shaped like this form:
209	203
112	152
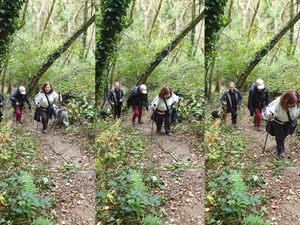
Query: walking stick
264	148
151	131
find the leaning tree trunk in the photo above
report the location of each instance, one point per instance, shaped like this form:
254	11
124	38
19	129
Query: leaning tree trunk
166	50
57	53
263	51
48	18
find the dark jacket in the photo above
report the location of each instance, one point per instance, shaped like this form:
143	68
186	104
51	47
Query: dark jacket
227	97
257	99
1	100
17	97
112	97
136	98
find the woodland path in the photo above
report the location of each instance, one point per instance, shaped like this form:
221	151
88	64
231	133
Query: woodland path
184	191
70	166
284	189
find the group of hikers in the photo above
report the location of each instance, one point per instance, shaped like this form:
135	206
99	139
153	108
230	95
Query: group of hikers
163	105
43	101
281	114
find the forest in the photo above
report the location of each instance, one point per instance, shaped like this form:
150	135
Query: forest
245	184
149	112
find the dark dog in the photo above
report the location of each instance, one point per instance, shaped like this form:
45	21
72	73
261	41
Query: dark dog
221	113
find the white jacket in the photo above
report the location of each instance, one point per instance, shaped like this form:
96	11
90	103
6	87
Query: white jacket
278	112
160	105
41	100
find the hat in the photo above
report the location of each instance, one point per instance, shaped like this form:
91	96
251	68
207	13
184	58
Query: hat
143	88
260	84
22	90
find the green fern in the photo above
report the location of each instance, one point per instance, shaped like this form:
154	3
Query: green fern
42	221
152	220
237	183
27	183
254	220
136	182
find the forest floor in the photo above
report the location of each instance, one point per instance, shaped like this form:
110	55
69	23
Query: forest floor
181	168
70	168
282	177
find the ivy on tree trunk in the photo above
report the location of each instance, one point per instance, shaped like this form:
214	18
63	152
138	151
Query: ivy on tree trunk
109	26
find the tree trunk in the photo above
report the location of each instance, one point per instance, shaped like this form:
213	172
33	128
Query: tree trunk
84	35
291	36
106	38
155	17
166	50
263	51
57	53
253	19
9	13
48	18
193	32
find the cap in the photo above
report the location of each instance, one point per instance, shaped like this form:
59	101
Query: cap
260	84
22	90
143	88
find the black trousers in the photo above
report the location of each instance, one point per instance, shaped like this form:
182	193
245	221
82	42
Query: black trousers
166	119
45	119
117	109
1	114
281	132
234	115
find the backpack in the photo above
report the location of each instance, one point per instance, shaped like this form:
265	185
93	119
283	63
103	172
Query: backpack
134	91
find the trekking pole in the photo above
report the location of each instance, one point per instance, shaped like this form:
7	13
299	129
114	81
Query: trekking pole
264	148
151	131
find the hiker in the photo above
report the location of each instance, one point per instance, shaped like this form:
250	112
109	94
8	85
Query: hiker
282	115
258	99
232	99
115	99
1	105
18	99
138	100
44	101
163	107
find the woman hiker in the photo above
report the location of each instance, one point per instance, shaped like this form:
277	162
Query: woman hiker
18	99
282	115
162	106
44	101
258	99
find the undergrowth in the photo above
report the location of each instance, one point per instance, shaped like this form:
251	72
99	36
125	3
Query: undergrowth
123	180
231	183
20	200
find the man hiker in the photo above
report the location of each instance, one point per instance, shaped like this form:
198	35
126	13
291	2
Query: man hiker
233	100
138	100
115	99
18	99
258	99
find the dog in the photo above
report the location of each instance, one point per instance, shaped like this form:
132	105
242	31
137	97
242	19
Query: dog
61	115
222	114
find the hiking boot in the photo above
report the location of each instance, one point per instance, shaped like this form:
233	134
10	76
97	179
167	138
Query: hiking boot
133	122
235	125
282	155
140	122
19	122
45	131
259	128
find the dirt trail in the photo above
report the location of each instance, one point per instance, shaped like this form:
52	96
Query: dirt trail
71	168
185	189
284	190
